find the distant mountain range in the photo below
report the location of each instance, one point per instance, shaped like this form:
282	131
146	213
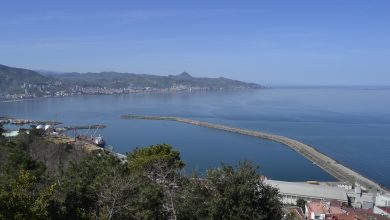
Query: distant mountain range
16	83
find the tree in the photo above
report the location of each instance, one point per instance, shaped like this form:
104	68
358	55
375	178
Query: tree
124	196
239	193
302	204
36	132
151	185
162	165
270	202
194	201
101	187
24	199
81	183
17	159
153	160
291	215
2	130
113	195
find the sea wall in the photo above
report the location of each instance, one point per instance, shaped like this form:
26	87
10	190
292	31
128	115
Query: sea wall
323	161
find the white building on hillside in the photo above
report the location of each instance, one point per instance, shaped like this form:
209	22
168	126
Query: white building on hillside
360	199
382	200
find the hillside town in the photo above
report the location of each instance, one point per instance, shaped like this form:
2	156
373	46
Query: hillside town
19	83
56	89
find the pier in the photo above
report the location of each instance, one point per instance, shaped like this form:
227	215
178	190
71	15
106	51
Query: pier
323	161
84	127
21	122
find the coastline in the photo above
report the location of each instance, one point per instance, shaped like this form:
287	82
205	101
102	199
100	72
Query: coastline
133	93
329	165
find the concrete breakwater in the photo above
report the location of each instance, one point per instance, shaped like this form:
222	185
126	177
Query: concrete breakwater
84	127
323	161
19	121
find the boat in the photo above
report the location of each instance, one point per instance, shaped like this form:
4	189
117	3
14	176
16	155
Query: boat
98	141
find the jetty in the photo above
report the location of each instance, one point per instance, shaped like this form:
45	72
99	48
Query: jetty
331	166
20	121
84	127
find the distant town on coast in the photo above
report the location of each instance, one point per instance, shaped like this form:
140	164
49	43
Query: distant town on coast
18	83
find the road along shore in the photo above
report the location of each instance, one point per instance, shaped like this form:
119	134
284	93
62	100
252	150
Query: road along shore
323	161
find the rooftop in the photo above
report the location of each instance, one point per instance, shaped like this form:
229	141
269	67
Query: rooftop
309	190
386	209
323	208
351	216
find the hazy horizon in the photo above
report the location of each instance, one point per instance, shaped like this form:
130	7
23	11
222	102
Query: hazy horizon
300	43
272	84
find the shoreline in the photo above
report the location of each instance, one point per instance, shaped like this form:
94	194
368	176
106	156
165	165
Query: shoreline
146	92
329	165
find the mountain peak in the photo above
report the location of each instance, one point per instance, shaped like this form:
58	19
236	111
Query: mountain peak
185	74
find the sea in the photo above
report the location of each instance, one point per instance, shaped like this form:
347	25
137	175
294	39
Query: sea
349	124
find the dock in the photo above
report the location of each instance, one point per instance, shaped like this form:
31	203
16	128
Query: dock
84	127
329	165
20	121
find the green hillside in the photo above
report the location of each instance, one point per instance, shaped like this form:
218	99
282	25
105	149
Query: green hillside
14	80
18	83
120	80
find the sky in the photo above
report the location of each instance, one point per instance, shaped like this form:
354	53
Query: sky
297	42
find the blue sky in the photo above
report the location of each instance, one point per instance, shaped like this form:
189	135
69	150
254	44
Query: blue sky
332	42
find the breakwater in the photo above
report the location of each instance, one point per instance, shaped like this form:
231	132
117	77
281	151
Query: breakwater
323	161
19	121
84	127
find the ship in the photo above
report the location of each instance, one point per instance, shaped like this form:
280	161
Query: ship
98	141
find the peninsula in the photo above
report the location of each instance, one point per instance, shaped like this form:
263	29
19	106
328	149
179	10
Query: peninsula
323	161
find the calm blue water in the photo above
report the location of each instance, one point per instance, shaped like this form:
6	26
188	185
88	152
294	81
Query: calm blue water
351	125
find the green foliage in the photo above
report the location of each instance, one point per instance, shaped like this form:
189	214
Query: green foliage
238	193
36	132
22	199
301	203
2	130
101	187
80	184
118	80
148	202
42	148
145	159
161	165
24	194
11	79
17	160
291	215
270	202
150	185
195	200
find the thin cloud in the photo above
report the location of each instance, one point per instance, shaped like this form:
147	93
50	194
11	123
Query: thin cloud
123	17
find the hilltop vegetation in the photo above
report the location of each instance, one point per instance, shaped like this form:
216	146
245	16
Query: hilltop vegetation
15	80
17	83
16	75
151	184
122	80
